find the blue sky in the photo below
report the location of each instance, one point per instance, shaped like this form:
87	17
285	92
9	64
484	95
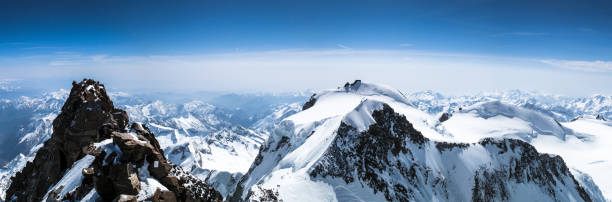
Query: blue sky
456	47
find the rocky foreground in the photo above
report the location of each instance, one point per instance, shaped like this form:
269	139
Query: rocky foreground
93	155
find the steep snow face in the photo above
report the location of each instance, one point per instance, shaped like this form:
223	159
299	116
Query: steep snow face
375	154
9	170
590	156
71	179
267	124
341	101
357	144
498	119
199	137
570	140
219	158
305	135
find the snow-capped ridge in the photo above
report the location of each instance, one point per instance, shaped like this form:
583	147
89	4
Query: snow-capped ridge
497	110
370	89
362	89
377	147
361	117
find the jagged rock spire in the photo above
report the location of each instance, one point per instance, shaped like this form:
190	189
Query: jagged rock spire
89	117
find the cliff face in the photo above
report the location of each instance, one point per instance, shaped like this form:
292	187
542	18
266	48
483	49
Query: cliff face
93	154
386	158
366	143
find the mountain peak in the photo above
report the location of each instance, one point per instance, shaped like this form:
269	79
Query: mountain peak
357	89
364	142
92	154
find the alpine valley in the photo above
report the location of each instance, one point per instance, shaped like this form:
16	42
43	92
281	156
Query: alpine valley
357	142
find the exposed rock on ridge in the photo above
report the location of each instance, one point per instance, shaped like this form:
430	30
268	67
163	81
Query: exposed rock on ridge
89	126
391	147
310	102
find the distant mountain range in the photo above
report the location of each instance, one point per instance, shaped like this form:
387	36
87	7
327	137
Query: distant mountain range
218	140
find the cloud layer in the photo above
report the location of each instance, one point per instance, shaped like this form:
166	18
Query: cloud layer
295	69
589	66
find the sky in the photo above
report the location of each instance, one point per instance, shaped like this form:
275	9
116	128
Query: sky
459	47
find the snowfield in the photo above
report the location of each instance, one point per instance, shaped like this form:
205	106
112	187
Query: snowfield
583	143
306	144
205	140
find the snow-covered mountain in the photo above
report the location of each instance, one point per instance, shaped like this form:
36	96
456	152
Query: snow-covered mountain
218	138
561	108
583	142
25	123
204	139
23	118
93	155
367	142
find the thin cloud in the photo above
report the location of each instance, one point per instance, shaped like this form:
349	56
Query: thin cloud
295	68
589	66
64	63
343	46
520	34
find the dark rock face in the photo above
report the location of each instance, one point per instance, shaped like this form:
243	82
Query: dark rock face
310	102
352	86
367	155
87	117
386	158
445	116
531	167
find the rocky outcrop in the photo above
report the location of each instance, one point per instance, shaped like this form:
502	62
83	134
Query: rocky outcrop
310	102
90	126
387	157
352	86
444	117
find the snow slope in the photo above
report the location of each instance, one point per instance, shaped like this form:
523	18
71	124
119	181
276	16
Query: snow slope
207	140
561	108
571	140
72	178
590	155
201	137
498	119
364	142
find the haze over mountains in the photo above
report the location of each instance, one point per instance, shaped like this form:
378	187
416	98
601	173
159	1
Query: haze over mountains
220	143
258	101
